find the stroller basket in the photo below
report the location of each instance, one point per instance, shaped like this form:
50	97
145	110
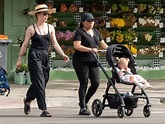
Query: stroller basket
114	101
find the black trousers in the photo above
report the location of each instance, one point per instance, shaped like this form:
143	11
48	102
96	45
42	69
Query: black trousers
38	64
86	71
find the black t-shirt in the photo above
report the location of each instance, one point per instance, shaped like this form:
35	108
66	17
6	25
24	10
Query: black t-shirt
88	41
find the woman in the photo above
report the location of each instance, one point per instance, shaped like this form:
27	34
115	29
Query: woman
40	33
86	41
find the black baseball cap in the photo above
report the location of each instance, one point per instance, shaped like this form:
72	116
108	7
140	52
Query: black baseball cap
87	17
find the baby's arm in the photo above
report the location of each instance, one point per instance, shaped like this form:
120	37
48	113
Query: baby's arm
128	70
120	71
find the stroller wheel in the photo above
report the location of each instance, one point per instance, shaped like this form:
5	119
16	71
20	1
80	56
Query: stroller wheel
97	107
146	111
120	111
129	111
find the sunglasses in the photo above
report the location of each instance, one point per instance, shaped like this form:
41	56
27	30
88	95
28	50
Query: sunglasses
90	20
43	13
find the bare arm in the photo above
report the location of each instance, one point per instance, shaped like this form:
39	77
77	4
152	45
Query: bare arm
103	45
77	45
128	70
56	45
120	72
24	46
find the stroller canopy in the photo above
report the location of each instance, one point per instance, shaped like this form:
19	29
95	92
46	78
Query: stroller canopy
119	51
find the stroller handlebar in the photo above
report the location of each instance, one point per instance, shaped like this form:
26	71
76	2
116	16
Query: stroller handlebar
102	51
96	55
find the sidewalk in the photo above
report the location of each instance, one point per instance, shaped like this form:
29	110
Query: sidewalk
65	94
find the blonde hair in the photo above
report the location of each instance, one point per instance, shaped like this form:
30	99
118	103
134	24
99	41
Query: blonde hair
122	60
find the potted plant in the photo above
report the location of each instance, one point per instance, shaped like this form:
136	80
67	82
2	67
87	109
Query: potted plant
20	74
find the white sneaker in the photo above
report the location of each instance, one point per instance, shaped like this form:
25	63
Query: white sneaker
128	94
148	85
140	85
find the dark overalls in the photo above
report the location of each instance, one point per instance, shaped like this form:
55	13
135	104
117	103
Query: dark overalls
38	64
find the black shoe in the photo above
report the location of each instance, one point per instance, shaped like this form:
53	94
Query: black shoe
84	111
45	114
26	107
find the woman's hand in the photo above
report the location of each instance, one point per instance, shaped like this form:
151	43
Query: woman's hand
95	50
66	58
18	64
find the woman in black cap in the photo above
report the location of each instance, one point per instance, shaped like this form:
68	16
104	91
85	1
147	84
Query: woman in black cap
86	40
41	34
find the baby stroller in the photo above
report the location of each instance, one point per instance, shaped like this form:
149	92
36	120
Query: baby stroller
119	101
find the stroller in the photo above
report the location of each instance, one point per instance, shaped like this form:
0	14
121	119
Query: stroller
119	101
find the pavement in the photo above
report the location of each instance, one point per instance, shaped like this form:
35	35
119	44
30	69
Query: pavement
65	94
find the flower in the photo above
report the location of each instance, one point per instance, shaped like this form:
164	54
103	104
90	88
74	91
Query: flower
67	35
123	36
132	48
114	8
124	8
129	19
52	19
129	35
105	33
155	49
72	8
117	22
141	7
148	21
142	21
119	38
148	37
100	22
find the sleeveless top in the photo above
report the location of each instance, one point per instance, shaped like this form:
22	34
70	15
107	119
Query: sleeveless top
40	41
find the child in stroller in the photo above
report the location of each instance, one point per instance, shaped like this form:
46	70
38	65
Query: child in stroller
125	74
124	104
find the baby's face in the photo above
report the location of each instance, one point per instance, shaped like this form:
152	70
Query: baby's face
123	63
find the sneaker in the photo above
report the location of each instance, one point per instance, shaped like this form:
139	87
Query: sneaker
148	85
84	111
45	114
128	94
140	85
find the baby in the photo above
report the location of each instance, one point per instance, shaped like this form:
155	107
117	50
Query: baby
126	75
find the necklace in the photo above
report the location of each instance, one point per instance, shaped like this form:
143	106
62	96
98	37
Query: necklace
38	29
